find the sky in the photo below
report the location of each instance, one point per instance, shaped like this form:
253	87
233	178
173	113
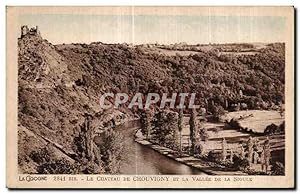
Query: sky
162	29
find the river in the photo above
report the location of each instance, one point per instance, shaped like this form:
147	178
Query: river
141	160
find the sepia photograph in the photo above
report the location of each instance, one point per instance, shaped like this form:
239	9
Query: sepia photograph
150	97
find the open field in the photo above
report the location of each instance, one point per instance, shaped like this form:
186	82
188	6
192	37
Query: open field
257	120
235	138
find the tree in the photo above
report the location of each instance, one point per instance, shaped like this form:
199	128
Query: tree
158	127
281	111
180	127
218	111
172	124
146	123
224	150
203	134
112	151
250	146
265	156
193	130
165	124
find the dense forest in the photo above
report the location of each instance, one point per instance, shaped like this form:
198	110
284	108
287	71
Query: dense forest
255	81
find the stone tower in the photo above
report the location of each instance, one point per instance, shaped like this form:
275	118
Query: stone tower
32	31
24	31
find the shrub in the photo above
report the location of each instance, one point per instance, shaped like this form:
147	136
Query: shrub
232	124
61	166
240	163
198	149
214	156
40	156
277	168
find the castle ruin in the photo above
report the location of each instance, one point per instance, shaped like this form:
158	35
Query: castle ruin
32	31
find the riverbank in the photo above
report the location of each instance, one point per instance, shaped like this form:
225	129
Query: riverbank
189	160
142	160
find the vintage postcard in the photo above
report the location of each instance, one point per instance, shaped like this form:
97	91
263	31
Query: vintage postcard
150	97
